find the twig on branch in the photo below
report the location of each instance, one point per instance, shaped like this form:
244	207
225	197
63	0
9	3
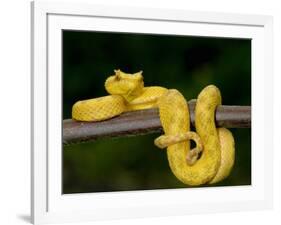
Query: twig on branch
146	121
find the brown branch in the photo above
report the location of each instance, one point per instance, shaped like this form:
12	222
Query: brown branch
144	122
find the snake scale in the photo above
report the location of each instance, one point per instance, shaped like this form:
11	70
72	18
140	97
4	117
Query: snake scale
213	157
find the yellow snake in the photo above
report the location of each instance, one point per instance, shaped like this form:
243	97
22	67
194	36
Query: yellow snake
213	157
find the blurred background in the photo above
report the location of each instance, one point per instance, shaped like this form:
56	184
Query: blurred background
185	63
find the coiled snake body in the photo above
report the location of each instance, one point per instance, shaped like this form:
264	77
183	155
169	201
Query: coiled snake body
213	157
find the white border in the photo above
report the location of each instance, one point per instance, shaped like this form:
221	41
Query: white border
48	205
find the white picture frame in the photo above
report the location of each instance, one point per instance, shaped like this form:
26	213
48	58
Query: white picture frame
48	205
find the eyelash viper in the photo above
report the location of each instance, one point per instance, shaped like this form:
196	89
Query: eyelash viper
213	157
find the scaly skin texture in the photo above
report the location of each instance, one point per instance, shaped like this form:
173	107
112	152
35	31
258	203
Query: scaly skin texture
216	145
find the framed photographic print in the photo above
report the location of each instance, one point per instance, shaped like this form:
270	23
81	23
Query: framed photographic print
142	112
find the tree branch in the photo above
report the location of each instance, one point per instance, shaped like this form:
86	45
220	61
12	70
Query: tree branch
146	121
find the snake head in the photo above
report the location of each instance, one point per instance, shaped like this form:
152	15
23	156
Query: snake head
127	85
